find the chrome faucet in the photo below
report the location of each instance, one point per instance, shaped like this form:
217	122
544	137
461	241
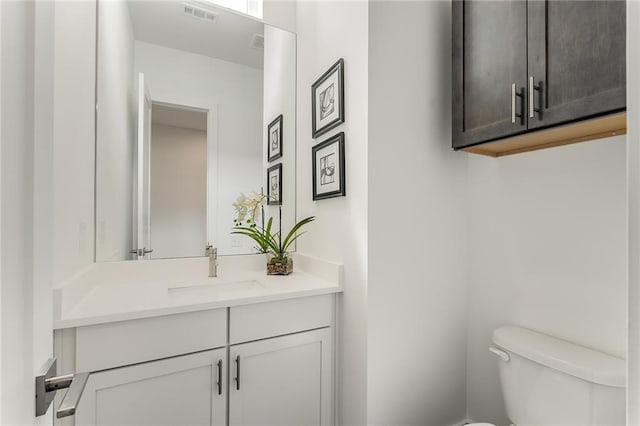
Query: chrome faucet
212	253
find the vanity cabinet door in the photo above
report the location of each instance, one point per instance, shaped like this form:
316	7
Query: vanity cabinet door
176	391
282	381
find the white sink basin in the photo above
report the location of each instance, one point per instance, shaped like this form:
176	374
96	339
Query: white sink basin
214	284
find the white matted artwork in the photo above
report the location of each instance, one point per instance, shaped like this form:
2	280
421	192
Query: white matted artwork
328	168
274	185
327	98
274	139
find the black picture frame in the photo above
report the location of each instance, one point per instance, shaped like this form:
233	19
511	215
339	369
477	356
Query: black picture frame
274	131
336	185
325	97
274	172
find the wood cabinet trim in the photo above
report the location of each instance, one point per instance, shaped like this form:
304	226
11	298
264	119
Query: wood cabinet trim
586	130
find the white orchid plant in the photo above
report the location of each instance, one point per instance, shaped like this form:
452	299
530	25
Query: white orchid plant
250	209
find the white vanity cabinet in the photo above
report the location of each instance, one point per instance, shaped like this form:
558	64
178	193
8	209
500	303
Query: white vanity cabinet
269	363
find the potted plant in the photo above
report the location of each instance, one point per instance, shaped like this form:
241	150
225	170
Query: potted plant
267	240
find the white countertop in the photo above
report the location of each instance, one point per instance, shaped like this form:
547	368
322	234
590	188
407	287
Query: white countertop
118	291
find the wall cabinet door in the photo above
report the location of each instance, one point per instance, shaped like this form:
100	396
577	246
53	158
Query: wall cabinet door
489	70
576	60
282	381
182	390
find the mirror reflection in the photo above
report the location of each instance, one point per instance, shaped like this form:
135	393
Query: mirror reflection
185	94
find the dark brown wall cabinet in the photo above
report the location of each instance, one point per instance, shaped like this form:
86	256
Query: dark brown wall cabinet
532	74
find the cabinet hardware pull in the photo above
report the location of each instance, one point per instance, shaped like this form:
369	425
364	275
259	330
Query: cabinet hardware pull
237	372
532	89
516	93
141	252
219	377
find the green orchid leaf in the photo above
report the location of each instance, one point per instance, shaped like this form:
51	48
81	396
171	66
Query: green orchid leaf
266	239
292	240
288	240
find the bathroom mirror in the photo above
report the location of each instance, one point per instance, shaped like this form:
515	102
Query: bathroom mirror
185	92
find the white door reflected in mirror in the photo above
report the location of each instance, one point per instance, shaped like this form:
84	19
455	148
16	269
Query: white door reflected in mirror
141	232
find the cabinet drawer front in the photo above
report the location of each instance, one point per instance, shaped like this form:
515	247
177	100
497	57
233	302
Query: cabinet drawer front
263	320
103	346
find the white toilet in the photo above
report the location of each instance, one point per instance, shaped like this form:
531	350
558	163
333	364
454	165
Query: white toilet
550	382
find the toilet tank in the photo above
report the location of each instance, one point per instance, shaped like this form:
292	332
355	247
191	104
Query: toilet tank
547	381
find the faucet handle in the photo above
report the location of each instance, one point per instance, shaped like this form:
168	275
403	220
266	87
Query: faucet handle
212	251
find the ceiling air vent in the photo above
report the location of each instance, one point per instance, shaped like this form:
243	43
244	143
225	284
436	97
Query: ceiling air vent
257	41
199	12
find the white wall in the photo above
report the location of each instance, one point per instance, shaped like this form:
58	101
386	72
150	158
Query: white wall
74	137
26	125
3	341
43	188
280	13
280	98
340	231
235	92
16	71
116	133
633	167
418	222
178	191
548	252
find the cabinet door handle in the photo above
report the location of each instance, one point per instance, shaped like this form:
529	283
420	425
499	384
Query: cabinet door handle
532	89
219	377
237	372
515	94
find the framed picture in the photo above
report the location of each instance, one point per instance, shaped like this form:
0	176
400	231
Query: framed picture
274	139
328	168
327	100
274	185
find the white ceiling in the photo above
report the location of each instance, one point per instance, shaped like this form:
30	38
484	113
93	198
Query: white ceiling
166	24
177	116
